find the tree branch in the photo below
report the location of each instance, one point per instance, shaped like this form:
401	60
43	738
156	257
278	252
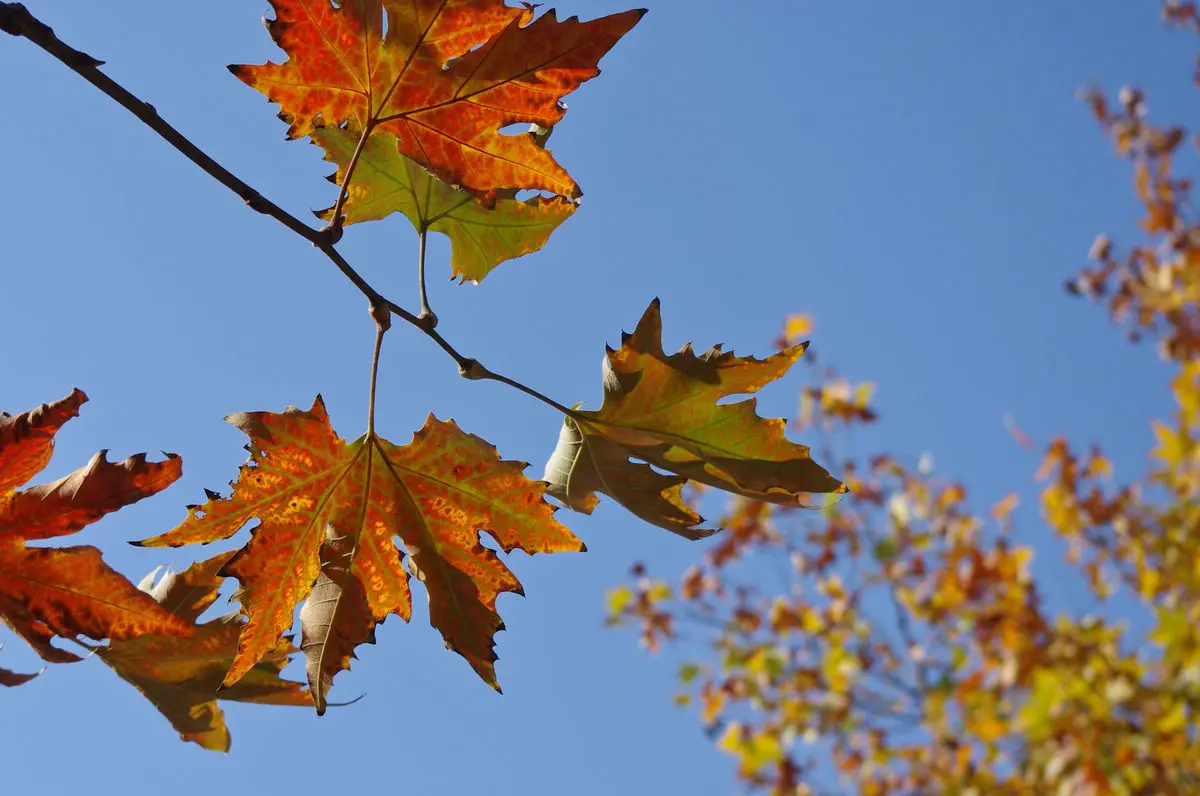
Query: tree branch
16	20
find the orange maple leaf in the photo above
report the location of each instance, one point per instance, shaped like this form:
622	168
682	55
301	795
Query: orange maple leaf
328	512
444	78
69	591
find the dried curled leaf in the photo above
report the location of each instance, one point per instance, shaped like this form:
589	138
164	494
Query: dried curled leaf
481	236
436	494
181	676
662	410
336	617
69	591
443	79
10	678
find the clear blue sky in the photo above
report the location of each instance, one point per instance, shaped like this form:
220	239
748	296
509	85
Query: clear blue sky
922	181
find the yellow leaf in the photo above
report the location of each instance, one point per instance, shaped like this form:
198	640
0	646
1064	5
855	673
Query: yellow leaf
796	327
950	495
1171	445
754	752
1175	719
863	393
619	599
658	592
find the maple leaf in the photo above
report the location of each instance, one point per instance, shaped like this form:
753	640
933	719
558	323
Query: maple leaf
308	488
444	79
181	676
661	410
69	591
481	237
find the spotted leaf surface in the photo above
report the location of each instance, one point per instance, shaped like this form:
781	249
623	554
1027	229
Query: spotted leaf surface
328	510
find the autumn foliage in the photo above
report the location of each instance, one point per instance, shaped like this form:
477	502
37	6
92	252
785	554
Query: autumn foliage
407	100
907	646
907	649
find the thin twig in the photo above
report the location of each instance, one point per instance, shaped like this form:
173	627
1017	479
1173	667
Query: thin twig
16	20
516	385
427	315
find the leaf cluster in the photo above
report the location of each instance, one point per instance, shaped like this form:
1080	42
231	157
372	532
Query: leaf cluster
407	100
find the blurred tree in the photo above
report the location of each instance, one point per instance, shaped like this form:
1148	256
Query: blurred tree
906	648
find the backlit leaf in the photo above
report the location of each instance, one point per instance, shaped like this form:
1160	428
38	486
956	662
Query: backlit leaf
435	493
662	410
481	238
27	441
69	591
181	676
424	83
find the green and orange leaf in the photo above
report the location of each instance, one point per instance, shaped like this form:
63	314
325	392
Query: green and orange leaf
444	78
481	237
329	511
662	410
182	677
70	591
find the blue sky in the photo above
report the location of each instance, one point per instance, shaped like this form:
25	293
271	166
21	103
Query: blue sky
922	182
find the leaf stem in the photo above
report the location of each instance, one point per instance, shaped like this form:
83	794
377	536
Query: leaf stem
16	20
532	393
427	315
383	321
334	228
